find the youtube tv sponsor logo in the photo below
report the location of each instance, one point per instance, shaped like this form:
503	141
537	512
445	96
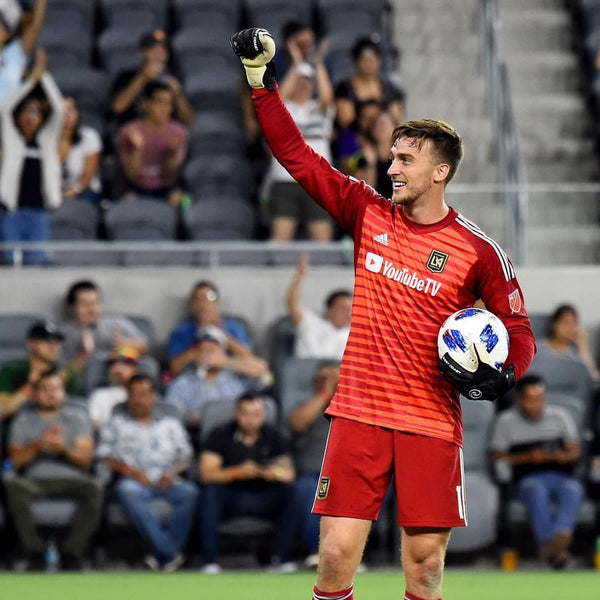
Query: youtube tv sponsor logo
373	262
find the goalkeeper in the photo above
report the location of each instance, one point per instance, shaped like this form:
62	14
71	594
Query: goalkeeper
395	411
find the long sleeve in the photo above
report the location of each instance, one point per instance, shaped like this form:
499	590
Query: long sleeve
57	104
343	197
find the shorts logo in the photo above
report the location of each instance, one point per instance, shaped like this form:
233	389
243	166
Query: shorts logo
514	301
437	261
323	488
373	262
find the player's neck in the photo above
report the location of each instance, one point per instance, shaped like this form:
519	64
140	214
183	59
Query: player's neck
426	213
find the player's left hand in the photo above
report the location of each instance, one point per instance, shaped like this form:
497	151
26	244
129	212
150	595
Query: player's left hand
256	49
485	383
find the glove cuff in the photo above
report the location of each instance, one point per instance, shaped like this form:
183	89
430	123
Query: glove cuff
254	75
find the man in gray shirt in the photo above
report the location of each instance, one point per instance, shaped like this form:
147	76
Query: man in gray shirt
91	336
541	444
51	449
150	452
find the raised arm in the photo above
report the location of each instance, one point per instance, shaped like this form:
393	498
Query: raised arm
32	29
344	198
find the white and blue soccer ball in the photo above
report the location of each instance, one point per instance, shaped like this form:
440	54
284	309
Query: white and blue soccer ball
474	328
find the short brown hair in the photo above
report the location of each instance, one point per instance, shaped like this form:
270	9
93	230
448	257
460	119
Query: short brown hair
445	139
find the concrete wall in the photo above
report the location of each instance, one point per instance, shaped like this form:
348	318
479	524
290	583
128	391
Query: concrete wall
257	294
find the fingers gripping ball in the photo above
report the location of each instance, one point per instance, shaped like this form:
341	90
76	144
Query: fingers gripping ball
256	49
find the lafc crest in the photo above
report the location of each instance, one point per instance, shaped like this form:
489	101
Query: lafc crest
323	488
437	261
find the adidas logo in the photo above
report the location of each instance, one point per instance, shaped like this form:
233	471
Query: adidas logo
382	238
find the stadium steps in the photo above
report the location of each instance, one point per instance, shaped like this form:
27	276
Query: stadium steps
556	129
444	78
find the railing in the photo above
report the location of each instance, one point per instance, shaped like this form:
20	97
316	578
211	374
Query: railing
205	254
511	168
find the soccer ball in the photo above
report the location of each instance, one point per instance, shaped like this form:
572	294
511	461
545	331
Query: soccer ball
471	327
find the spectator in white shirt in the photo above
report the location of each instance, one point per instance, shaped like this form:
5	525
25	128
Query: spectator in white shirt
319	336
79	150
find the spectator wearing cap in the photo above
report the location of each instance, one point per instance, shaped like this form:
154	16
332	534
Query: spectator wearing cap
319	336
149	452
128	87
152	150
290	205
205	310
17	378
90	335
216	376
15	48
52	449
123	365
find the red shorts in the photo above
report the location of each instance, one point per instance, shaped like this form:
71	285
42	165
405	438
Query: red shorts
360	460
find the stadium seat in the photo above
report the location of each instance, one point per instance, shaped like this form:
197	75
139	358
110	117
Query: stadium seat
219	218
539	325
141	220
562	374
118	49
87	86
13	334
79	14
66	46
296	380
213	133
222	172
483	506
153	14
145	326
273	14
477	421
344	15
209	15
74	220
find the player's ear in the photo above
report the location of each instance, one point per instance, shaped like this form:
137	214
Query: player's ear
441	172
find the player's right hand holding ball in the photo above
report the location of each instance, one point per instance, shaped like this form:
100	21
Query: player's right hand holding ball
256	49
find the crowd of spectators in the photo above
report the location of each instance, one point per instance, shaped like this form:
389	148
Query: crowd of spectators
134	142
90	414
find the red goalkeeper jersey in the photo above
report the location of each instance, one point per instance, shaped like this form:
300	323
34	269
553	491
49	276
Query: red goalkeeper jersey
408	279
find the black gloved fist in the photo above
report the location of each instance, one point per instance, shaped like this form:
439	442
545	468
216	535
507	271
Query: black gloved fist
486	383
256	49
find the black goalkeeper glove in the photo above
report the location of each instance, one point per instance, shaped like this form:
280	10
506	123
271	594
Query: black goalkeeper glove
486	383
256	49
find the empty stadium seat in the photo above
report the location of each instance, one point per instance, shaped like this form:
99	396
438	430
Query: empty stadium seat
141	220
220	218
118	49
13	333
151	14
209	15
225	172
66	46
87	86
273	14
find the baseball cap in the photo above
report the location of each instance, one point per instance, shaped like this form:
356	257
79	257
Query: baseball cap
211	332
153	38
44	330
306	70
124	354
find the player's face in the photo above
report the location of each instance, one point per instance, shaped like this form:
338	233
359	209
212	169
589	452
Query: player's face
87	307
250	416
531	400
413	171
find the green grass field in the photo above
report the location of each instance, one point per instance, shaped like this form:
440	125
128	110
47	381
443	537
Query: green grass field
384	585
